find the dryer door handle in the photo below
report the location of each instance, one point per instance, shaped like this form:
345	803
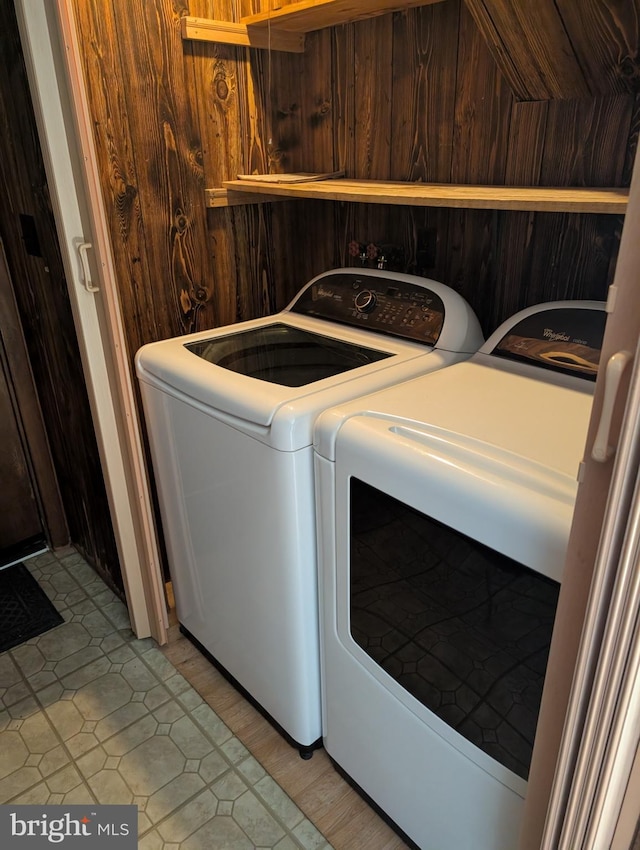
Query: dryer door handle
601	450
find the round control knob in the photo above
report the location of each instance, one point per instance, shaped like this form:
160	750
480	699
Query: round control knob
365	301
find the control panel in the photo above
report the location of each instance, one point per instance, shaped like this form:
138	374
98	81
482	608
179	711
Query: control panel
565	339
398	308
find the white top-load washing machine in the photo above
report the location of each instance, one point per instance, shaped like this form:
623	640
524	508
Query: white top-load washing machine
229	414
444	508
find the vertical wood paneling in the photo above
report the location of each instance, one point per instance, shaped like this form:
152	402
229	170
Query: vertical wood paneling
152	165
531	47
569	257
223	275
423	100
632	144
215	83
344	98
144	316
414	95
480	147
424	92
586	140
345	228
515	230
543	257
482	111
253	127
252	225
308	113
279	79
317	90
525	149
372	97
167	153
214	78
605	36
560	49
249	122
305	97
372	104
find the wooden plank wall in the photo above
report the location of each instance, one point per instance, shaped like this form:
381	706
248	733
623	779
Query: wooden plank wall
443	112
414	95
560	49
43	302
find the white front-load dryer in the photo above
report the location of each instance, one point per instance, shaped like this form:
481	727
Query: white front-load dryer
444	508
229	414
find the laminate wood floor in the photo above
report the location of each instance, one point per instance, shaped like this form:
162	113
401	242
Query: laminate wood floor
335	808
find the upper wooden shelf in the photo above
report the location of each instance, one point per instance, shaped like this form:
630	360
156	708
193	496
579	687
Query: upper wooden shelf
308	15
533	198
285	28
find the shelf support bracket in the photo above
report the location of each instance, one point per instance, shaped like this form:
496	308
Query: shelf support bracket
240	35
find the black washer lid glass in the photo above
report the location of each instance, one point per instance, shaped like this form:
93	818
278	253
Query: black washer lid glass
565	339
281	354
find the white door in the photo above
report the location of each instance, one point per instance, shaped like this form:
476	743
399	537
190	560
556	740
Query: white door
572	774
48	37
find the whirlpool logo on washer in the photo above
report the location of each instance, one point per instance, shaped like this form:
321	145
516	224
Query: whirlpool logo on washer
89	827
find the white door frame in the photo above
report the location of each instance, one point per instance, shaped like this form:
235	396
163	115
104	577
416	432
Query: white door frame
52	57
602	725
588	727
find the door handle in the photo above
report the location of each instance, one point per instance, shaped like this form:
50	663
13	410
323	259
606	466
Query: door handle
601	451
83	247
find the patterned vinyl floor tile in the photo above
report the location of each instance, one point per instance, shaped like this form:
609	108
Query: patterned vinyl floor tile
91	714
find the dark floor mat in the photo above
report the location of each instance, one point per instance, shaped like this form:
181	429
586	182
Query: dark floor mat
25	610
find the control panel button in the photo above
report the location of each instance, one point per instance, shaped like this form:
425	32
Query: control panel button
365	301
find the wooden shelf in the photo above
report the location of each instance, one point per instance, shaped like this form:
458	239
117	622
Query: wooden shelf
216	198
308	15
225	32
533	198
284	29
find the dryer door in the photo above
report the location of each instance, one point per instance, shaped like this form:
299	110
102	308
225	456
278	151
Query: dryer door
435	633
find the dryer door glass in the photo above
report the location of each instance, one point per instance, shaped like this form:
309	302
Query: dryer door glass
281	354
462	628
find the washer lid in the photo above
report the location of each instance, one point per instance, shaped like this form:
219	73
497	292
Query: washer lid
172	367
281	354
284	369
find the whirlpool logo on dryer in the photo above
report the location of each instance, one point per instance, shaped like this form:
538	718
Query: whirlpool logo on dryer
556	336
101	827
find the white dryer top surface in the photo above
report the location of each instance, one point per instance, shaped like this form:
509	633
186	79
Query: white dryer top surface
522	410
493	451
